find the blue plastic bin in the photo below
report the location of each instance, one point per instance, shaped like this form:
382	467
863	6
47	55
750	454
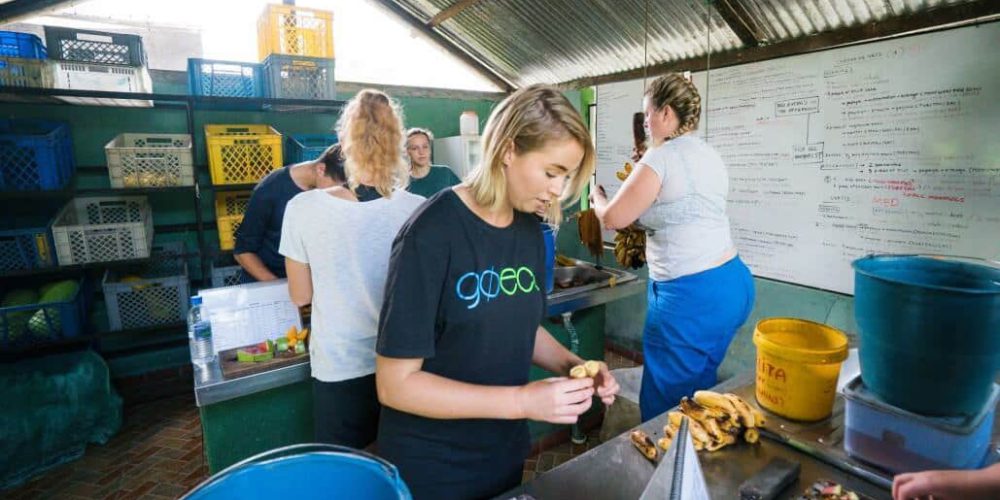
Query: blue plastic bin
549	235
930	331
26	244
43	323
35	155
225	78
306	472
23	45
305	147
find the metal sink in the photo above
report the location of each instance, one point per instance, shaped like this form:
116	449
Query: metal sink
583	277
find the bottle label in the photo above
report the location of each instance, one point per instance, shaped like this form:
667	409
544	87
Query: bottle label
202	330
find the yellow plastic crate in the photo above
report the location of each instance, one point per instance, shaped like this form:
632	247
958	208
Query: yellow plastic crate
296	31
229	210
242	154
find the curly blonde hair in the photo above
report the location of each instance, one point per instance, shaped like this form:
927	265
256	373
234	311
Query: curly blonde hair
371	138
528	120
681	95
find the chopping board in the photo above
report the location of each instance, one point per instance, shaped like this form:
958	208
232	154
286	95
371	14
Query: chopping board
234	369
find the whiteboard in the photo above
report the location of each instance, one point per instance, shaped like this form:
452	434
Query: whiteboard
887	147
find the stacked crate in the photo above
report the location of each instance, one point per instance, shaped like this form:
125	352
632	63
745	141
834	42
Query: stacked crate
97	60
296	46
22	61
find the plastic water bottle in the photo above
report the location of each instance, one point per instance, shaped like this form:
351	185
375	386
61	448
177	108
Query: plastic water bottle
199	334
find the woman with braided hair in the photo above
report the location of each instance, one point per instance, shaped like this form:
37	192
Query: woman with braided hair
700	292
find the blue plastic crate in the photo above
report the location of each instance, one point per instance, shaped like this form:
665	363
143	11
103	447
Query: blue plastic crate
35	155
37	323
26	244
306	147
225	78
23	45
298	77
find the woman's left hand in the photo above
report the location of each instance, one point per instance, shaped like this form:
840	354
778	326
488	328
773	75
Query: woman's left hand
607	386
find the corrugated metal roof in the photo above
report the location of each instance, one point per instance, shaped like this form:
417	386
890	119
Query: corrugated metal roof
555	41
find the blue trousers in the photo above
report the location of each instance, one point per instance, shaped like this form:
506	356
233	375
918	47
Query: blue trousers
690	322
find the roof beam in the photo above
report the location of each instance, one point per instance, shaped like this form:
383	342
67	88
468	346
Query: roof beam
739	20
16	10
447	44
950	16
451	11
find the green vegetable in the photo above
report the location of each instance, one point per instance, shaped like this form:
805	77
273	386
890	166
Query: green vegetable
244	356
16	323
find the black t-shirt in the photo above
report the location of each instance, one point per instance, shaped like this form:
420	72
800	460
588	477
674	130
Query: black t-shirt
466	297
260	231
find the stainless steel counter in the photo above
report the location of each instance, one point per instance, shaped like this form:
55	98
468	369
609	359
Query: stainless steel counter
210	387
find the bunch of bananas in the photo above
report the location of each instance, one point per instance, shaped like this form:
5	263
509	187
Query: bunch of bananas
589	229
630	243
716	421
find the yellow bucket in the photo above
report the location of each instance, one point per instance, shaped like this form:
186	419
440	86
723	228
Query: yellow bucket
798	362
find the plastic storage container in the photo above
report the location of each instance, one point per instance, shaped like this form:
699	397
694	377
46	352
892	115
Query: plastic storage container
37	323
101	77
296	31
150	294
306	147
242	154
150	160
333	472
26	243
24	45
87	46
103	229
229	210
798	362
900	441
224	275
225	78
31	73
299	77
35	155
934	319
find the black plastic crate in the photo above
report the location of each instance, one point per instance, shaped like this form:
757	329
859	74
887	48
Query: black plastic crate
71	44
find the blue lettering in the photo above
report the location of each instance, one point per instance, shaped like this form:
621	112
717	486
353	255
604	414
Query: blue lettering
473	287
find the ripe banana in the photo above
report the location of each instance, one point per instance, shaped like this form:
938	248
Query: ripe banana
746	416
716	420
715	400
751	435
699	412
645	445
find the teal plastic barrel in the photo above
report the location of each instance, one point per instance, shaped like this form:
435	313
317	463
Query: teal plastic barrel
930	331
306	472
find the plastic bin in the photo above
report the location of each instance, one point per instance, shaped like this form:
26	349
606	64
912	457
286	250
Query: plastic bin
103	229
242	154
151	294
150	160
225	78
35	155
225	275
900	441
37	323
298	77
32	73
934	319
23	45
101	77
333	472
88	46
297	31
798	362
229	210
307	147
26	244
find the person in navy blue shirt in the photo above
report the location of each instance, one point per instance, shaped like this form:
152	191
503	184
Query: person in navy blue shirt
259	234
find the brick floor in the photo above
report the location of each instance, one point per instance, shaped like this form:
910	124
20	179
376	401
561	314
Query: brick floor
158	454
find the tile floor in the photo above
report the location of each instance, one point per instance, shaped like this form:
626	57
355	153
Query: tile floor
158	455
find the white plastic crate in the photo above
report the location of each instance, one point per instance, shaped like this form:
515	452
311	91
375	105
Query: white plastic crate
101	77
151	294
103	229
150	160
17	72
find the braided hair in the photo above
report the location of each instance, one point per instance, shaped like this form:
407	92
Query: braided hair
681	95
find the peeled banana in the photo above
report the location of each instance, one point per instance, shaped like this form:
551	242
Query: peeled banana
644	444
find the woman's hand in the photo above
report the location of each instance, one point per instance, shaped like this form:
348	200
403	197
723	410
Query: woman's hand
557	400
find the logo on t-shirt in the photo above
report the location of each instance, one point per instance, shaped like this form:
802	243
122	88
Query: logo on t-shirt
488	284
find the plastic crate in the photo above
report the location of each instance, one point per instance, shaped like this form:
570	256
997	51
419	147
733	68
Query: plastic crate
229	210
151	294
26	244
242	154
150	160
35	155
101	47
41	323
16	72
23	45
225	275
297	31
307	147
297	77
101	77
103	229
225	78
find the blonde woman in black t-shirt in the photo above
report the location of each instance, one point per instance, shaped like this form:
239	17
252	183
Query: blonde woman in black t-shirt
459	328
